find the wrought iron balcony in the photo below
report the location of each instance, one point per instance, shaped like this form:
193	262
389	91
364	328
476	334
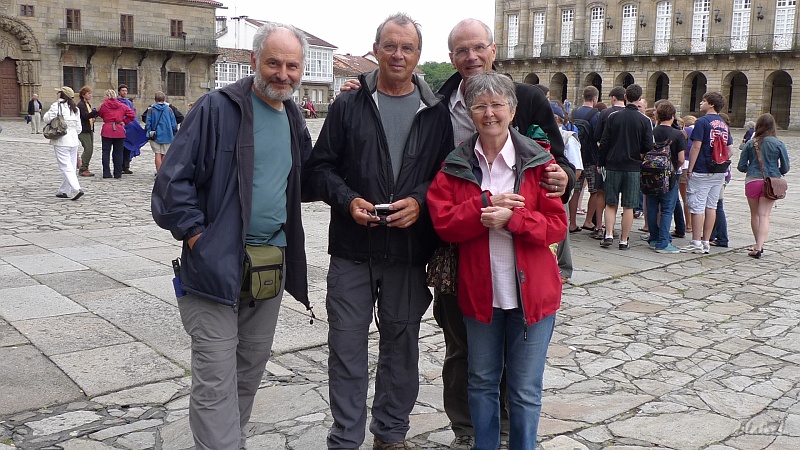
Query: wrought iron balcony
136	41
668	47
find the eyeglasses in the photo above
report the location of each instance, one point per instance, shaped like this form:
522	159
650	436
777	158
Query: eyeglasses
406	49
481	108
463	52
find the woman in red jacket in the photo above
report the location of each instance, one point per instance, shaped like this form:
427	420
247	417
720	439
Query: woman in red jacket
487	200
115	115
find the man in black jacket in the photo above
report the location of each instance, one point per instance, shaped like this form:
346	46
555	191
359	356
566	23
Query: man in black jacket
35	113
381	144
628	134
204	195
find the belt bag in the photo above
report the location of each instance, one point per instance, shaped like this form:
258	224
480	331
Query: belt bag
263	271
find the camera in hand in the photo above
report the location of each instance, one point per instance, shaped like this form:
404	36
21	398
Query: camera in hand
382	211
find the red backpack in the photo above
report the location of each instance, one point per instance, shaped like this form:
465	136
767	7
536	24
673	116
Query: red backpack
719	154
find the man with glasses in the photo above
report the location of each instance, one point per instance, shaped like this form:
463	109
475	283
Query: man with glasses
472	52
380	145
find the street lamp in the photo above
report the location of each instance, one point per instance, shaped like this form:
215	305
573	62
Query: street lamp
678	18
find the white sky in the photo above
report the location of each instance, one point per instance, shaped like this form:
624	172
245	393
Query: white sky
351	25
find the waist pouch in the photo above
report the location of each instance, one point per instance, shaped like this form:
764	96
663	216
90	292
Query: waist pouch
263	272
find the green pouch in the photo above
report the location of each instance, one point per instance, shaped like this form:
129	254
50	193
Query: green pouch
263	271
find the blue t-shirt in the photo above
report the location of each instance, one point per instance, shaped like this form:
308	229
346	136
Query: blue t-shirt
271	167
705	129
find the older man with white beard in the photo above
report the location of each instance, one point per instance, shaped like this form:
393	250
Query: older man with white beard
244	138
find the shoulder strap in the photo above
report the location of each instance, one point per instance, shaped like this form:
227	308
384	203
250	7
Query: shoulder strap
758	155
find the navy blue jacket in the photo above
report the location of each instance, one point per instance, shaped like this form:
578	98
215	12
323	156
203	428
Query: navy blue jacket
206	184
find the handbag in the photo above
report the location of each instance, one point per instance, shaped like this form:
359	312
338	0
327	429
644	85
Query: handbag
56	127
442	271
263	272
774	187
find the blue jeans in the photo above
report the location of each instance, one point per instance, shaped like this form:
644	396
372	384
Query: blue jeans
720	231
525	360
659	232
678	218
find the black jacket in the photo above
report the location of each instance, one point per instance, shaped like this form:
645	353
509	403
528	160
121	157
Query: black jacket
627	135
351	159
86	114
206	185
32	107
532	108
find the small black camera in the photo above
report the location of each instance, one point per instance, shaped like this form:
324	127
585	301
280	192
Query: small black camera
382	211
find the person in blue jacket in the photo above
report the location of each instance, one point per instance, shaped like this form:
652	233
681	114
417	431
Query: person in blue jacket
160	127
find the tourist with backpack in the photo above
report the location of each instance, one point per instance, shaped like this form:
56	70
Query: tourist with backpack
709	159
659	178
584	118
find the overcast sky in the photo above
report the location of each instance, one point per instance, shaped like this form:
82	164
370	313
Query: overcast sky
351	25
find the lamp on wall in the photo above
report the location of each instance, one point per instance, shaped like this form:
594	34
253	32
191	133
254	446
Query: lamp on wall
642	23
224	58
608	23
759	15
678	18
717	18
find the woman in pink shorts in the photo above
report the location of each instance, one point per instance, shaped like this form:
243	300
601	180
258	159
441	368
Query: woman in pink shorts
775	161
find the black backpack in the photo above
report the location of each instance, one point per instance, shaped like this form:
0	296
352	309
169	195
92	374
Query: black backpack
585	136
657	170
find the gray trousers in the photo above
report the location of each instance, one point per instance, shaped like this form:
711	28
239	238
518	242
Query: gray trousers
564	254
36	123
229	353
402	298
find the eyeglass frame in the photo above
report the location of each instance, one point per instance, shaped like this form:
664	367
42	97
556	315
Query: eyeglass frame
390	48
481	108
479	49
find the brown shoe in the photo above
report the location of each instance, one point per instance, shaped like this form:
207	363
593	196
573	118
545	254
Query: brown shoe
380	445
86	173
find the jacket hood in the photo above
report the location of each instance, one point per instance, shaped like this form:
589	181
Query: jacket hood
370	80
160	106
529	152
113	103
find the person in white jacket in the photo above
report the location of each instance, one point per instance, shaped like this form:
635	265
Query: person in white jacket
66	147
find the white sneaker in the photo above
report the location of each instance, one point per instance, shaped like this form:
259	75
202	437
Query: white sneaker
693	247
706	247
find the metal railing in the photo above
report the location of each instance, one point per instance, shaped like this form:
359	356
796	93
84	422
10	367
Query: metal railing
667	47
136	40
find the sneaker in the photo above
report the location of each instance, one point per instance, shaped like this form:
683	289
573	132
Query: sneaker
624	246
706	247
78	195
462	443
652	245
606	242
692	247
645	237
378	444
668	249
127	171
62	195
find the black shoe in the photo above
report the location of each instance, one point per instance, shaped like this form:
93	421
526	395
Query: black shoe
676	235
127	171
606	242
624	246
106	176
78	195
62	195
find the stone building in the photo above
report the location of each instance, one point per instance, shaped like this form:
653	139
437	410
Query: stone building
675	49
153	45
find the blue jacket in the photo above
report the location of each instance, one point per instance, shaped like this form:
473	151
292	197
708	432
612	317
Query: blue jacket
206	184
773	155
162	121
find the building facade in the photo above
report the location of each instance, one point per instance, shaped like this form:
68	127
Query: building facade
675	49
235	38
154	45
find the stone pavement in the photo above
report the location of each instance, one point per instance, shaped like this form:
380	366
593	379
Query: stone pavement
650	350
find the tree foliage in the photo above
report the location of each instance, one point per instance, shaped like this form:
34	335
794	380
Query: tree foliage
436	73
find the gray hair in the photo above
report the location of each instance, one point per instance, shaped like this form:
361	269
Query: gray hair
263	33
399	19
489	35
492	83
749	125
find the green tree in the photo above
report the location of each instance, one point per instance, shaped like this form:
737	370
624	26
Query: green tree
436	73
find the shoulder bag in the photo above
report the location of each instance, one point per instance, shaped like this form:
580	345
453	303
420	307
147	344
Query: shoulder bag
774	187
56	127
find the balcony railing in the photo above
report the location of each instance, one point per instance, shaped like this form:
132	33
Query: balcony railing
666	47
136	40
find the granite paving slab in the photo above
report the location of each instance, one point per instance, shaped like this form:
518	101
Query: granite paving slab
35	302
39	383
71	332
69	283
9	336
43	263
10	277
108	369
129	267
89	252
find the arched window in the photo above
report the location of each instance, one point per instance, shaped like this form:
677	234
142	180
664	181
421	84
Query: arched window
628	29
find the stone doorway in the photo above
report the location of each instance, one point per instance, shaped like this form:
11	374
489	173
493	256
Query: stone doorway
694	88
594	79
778	97
735	86
558	88
9	89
